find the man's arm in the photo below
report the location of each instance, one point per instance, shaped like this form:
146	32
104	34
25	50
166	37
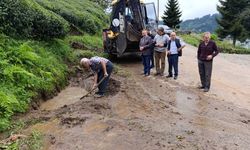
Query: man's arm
149	43
103	63
216	50
95	80
182	45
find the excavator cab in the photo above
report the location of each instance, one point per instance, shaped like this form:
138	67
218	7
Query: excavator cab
128	19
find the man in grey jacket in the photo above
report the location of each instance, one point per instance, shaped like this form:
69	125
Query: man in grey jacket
145	46
160	51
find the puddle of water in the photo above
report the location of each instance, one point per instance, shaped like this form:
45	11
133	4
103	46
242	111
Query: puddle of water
66	97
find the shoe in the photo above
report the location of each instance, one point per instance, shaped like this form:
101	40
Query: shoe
156	74
169	76
98	95
206	89
201	87
161	74
175	77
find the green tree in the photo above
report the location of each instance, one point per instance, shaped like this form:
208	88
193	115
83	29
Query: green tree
172	14
246	21
230	24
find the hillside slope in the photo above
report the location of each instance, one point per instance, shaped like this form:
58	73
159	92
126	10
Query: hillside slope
203	24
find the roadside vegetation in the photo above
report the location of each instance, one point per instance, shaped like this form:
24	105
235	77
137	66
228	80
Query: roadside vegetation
224	46
36	48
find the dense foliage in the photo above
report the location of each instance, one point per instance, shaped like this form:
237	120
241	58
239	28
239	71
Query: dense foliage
29	68
86	15
172	14
232	23
203	24
26	18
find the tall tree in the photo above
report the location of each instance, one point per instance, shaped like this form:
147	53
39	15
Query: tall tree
172	14
230	24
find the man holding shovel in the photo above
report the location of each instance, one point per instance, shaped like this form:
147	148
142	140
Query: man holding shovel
102	69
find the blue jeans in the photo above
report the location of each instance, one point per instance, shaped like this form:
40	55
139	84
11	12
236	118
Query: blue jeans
173	63
152	60
146	63
103	86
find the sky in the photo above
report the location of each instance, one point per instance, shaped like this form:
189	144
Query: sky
190	8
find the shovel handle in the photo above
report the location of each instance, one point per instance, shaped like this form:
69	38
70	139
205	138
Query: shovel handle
94	87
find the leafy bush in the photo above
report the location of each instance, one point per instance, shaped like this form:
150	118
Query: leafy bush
91	42
84	14
26	18
28	69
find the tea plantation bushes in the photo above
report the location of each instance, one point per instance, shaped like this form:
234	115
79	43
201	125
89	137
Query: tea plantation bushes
26	18
86	15
29	69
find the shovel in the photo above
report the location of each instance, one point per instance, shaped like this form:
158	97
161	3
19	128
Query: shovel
93	88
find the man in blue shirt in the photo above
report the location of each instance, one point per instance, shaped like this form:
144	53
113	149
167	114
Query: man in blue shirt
174	50
101	67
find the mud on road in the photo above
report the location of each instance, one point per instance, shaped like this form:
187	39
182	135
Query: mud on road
140	113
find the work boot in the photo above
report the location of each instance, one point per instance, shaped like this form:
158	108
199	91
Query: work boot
98	95
201	87
206	89
169	76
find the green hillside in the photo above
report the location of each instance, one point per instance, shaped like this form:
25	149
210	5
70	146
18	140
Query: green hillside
203	24
86	15
35	48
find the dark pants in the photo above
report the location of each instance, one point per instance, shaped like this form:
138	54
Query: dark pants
152	60
160	59
205	71
173	63
146	63
103	86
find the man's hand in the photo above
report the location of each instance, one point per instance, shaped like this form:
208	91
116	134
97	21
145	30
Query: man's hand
168	52
141	48
209	57
94	86
161	45
179	49
106	74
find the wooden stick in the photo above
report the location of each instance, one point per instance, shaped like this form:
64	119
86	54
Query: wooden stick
93	88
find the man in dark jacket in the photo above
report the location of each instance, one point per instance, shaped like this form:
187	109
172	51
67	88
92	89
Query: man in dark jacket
145	47
206	52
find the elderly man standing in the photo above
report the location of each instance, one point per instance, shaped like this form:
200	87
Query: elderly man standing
174	49
145	47
206	52
102	68
160	41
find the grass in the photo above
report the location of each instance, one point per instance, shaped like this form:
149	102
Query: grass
224	46
31	142
90	42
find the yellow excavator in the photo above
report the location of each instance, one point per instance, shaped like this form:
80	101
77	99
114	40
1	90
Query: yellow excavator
128	19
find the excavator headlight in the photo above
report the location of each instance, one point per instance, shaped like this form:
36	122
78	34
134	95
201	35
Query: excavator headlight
116	22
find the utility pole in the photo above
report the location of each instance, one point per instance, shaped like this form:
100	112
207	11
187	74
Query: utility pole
158	13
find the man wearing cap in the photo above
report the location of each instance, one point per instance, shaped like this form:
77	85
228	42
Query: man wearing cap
102	68
160	51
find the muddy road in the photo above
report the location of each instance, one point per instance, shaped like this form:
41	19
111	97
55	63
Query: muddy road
153	113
